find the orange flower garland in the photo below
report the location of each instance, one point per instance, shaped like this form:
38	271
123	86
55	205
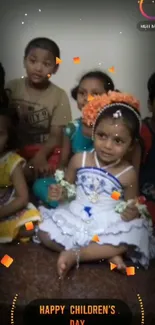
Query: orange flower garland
94	107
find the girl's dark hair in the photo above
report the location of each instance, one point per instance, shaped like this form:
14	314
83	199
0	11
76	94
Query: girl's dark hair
96	74
151	87
42	43
13	122
4	100
129	118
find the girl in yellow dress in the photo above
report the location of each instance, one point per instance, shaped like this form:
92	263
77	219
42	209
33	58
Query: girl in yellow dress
16	214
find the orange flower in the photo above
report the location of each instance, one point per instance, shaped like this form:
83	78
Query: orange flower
93	108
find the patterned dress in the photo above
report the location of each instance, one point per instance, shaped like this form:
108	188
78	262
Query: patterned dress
92	213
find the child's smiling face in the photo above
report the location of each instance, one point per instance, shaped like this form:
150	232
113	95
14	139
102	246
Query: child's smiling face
89	86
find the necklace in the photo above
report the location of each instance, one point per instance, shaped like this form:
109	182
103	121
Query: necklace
94	197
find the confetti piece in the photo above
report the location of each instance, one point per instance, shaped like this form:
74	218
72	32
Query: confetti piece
112	69
115	195
29	225
112	266
49	75
95	239
130	270
7	260
90	97
58	61
76	60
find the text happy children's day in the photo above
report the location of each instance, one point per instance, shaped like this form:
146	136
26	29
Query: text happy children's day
77	310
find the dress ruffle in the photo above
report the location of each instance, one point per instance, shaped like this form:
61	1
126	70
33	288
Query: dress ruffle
73	225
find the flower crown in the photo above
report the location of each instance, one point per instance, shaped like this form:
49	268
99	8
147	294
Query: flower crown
95	107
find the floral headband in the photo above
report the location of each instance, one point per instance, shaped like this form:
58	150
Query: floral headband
94	108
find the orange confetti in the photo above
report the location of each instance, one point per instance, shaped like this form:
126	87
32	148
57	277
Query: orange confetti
58	61
112	69
130	270
49	75
115	195
95	239
90	97
112	266
7	260
29	225
76	60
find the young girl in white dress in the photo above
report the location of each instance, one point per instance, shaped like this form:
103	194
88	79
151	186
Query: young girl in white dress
93	222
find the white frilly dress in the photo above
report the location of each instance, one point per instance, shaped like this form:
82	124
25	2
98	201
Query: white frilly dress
92	213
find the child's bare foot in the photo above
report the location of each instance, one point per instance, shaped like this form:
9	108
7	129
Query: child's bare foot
118	260
66	261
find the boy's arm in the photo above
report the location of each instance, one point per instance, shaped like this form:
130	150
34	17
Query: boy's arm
60	118
10	88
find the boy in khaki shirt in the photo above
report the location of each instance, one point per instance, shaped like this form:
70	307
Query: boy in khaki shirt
42	106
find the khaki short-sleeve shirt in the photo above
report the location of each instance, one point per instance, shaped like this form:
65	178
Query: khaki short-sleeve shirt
38	110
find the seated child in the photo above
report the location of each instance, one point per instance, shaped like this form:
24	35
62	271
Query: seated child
77	135
92	226
147	170
43	107
15	211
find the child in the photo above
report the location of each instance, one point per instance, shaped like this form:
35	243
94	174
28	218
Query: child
4	101
15	211
89	225
147	171
42	106
77	135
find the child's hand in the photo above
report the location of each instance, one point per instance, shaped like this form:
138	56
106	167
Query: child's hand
131	212
40	165
55	192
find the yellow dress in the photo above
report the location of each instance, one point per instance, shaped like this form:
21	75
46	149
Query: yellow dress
9	226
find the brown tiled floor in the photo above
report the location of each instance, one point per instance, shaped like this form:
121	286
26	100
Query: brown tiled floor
33	275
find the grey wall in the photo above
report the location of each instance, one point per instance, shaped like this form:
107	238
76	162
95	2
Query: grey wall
103	34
